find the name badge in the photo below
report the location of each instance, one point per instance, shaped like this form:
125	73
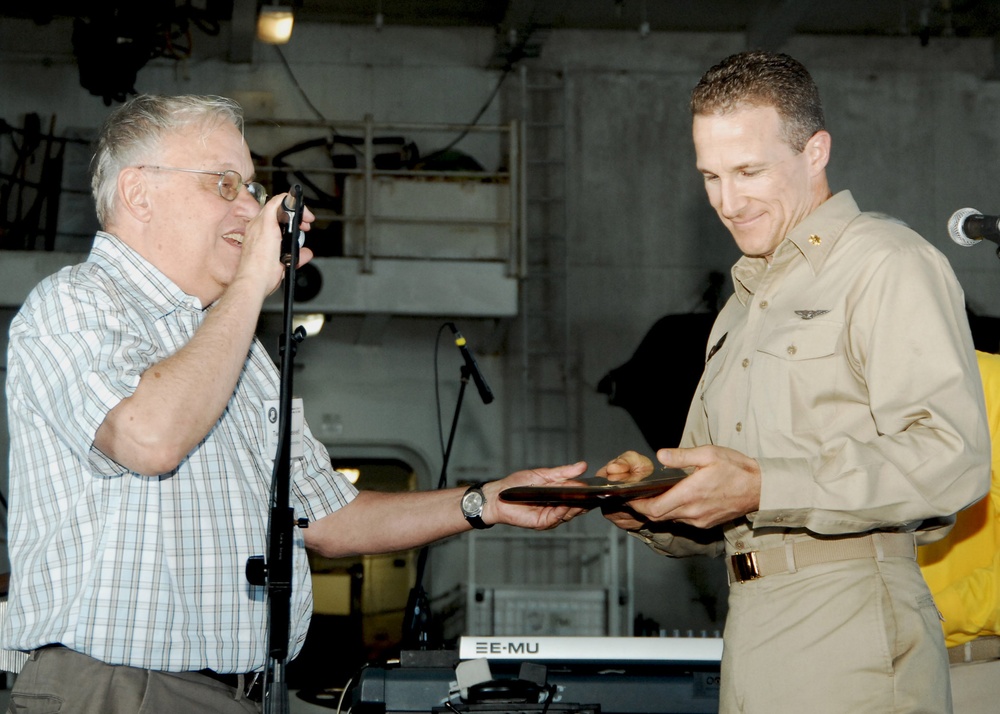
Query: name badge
271	412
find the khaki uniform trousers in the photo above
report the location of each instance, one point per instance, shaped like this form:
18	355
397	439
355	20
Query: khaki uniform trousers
835	638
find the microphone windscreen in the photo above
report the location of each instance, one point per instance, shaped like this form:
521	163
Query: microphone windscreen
956	226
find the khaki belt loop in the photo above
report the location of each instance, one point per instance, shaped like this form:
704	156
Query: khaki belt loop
879	550
790	556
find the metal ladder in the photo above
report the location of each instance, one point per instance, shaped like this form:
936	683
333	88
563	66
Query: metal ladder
549	432
566	581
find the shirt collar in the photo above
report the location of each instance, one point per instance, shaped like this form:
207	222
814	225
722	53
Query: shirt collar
813	238
140	276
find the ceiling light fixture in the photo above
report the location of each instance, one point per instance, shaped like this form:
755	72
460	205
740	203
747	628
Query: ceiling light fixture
274	24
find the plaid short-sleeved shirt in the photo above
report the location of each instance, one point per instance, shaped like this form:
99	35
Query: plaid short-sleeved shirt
131	569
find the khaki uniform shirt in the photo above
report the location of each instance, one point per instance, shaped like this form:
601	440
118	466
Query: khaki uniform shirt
846	368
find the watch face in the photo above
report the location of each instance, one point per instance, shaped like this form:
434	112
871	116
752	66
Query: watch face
472	503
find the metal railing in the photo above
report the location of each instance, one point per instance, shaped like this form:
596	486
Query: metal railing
363	218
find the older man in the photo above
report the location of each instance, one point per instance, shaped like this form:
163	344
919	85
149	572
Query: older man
140	466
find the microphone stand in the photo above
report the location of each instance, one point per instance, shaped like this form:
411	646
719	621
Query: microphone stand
274	571
416	621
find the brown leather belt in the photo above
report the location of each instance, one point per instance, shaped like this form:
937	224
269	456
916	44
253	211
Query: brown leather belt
252	684
981	649
799	554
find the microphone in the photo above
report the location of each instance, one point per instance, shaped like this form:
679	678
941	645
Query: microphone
967	226
289	218
470	364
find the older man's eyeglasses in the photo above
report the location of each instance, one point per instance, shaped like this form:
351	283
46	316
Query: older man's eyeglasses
229	182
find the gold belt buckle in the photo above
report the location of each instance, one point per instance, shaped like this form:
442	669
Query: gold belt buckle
745	566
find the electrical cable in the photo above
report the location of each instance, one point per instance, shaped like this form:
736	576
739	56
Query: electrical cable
479	115
475	120
437	385
298	87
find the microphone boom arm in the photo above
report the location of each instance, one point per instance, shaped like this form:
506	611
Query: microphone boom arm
471	366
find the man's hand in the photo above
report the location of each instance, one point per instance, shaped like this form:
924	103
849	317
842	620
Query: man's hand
261	253
526	516
630	466
724	485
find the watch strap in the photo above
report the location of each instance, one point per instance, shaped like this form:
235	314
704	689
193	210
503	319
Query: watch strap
476	520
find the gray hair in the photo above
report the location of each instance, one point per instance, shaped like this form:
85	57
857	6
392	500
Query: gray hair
134	130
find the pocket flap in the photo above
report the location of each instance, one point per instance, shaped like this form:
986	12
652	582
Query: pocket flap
803	340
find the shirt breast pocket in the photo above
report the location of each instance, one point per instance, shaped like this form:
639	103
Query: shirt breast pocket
794	385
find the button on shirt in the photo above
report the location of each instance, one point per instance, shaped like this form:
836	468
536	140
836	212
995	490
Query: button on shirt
848	371
131	569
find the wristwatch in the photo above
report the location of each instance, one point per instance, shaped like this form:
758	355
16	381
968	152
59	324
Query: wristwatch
472	508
